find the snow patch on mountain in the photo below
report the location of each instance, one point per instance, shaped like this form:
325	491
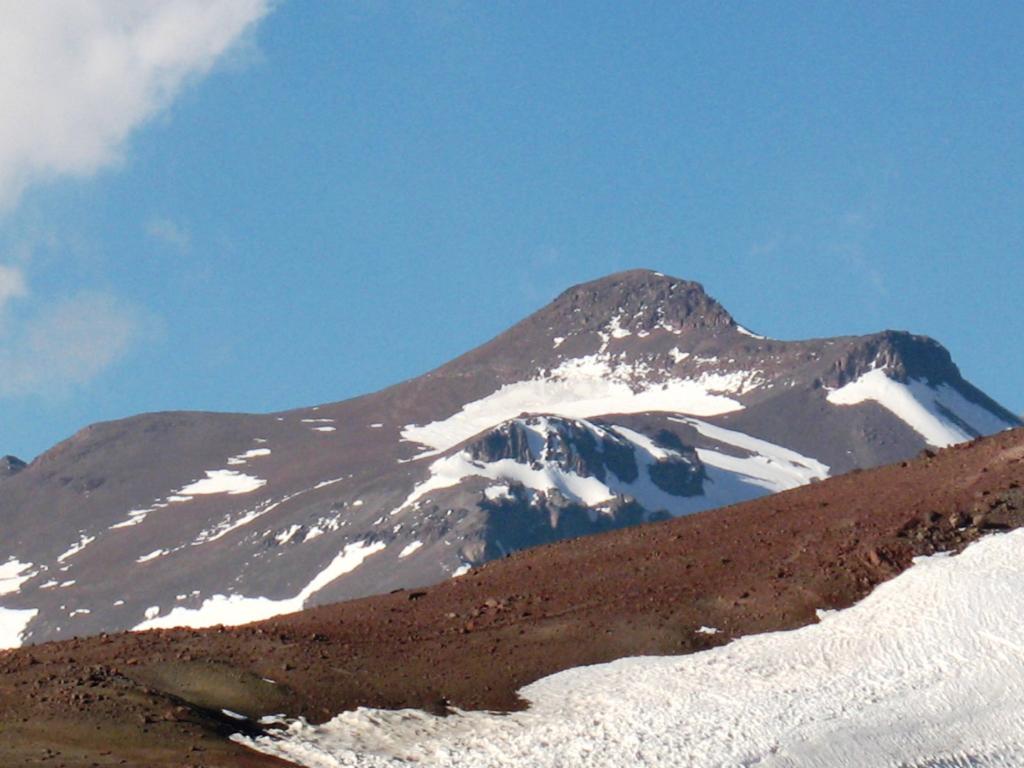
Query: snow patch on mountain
76	548
772	466
616	329
928	670
583	387
941	415
228	481
750	333
409	549
496	492
252	453
232	610
677	356
135	517
230	523
13	622
451	470
13	574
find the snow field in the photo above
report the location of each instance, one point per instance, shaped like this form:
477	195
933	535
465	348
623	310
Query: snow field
928	670
578	388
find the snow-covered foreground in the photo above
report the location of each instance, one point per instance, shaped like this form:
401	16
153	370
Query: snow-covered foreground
926	671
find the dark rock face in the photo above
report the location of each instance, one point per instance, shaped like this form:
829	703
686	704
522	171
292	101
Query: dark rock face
904	355
564	443
138	518
10	465
677	476
571	446
643	301
523	520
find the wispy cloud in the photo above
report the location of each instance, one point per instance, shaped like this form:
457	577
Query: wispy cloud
12	284
766	247
843	240
170	233
50	347
850	243
67	344
77	78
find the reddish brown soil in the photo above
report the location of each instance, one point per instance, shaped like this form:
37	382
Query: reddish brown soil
154	698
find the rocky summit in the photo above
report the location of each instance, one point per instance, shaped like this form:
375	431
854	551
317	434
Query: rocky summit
10	465
629	399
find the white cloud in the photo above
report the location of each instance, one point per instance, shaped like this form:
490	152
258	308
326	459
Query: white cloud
77	76
67	344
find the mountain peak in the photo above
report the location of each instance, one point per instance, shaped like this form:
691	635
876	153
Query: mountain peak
902	355
640	300
10	465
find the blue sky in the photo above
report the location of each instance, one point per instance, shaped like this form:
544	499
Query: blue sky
260	207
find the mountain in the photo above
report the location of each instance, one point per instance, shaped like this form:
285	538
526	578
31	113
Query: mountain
745	652
10	465
628	399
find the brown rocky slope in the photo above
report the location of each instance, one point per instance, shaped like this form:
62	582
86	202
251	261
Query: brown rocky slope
156	698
